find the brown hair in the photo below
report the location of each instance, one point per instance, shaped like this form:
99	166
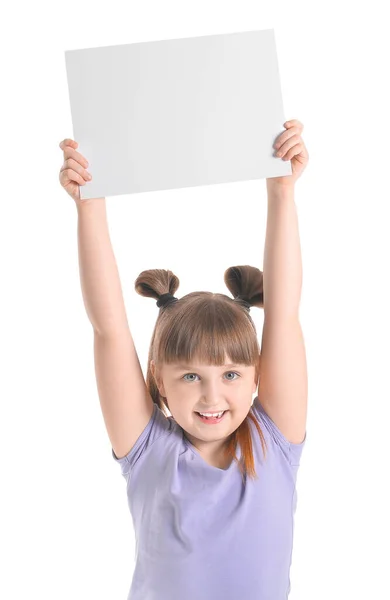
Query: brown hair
206	326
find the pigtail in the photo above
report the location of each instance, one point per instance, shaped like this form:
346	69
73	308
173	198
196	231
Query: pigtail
153	283
245	283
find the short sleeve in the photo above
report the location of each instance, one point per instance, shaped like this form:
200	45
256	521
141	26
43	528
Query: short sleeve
290	450
157	426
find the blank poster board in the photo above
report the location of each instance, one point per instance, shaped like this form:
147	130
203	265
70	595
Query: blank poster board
177	113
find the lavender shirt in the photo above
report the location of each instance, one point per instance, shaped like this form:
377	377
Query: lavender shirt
201	534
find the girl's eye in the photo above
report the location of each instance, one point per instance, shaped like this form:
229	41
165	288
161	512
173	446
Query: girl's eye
184	376
233	372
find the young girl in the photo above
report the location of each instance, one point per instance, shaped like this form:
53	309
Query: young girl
212	488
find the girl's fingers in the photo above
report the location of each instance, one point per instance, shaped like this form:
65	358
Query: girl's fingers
289	143
293	126
69	152
293	151
75	168
67	175
283	137
68	142
294	122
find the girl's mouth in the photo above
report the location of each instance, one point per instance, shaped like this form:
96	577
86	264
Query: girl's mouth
211	420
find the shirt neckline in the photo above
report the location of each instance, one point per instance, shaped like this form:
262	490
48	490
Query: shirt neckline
197	454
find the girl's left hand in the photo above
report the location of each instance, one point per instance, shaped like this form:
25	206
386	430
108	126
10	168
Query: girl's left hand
291	146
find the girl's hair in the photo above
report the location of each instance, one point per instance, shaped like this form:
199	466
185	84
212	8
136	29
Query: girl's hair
206	326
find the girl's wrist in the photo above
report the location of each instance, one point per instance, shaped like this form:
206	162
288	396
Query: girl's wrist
90	202
280	189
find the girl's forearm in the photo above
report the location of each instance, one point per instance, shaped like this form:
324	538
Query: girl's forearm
99	276
282	268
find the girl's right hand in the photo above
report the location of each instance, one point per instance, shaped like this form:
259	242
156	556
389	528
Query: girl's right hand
73	172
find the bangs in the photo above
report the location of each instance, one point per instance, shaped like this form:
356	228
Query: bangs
204	332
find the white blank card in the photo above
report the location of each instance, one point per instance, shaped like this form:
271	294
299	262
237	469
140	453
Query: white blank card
177	113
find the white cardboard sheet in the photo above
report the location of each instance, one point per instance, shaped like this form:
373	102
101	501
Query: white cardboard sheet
177	113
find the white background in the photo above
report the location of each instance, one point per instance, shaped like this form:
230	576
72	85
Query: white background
66	531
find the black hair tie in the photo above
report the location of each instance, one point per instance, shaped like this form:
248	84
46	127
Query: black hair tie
244	302
166	299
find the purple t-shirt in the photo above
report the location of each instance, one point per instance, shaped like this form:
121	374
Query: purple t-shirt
201	533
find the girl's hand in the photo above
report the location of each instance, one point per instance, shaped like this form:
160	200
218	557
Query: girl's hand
291	146
73	172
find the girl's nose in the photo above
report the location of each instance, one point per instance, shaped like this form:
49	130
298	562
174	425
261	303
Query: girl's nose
211	394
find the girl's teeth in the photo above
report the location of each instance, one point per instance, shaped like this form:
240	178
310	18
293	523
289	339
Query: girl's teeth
212	415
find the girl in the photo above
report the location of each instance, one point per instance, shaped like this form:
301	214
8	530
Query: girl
212	488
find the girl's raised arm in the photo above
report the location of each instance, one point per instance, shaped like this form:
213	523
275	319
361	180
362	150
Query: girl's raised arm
125	402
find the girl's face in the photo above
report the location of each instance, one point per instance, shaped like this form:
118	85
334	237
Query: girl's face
207	388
